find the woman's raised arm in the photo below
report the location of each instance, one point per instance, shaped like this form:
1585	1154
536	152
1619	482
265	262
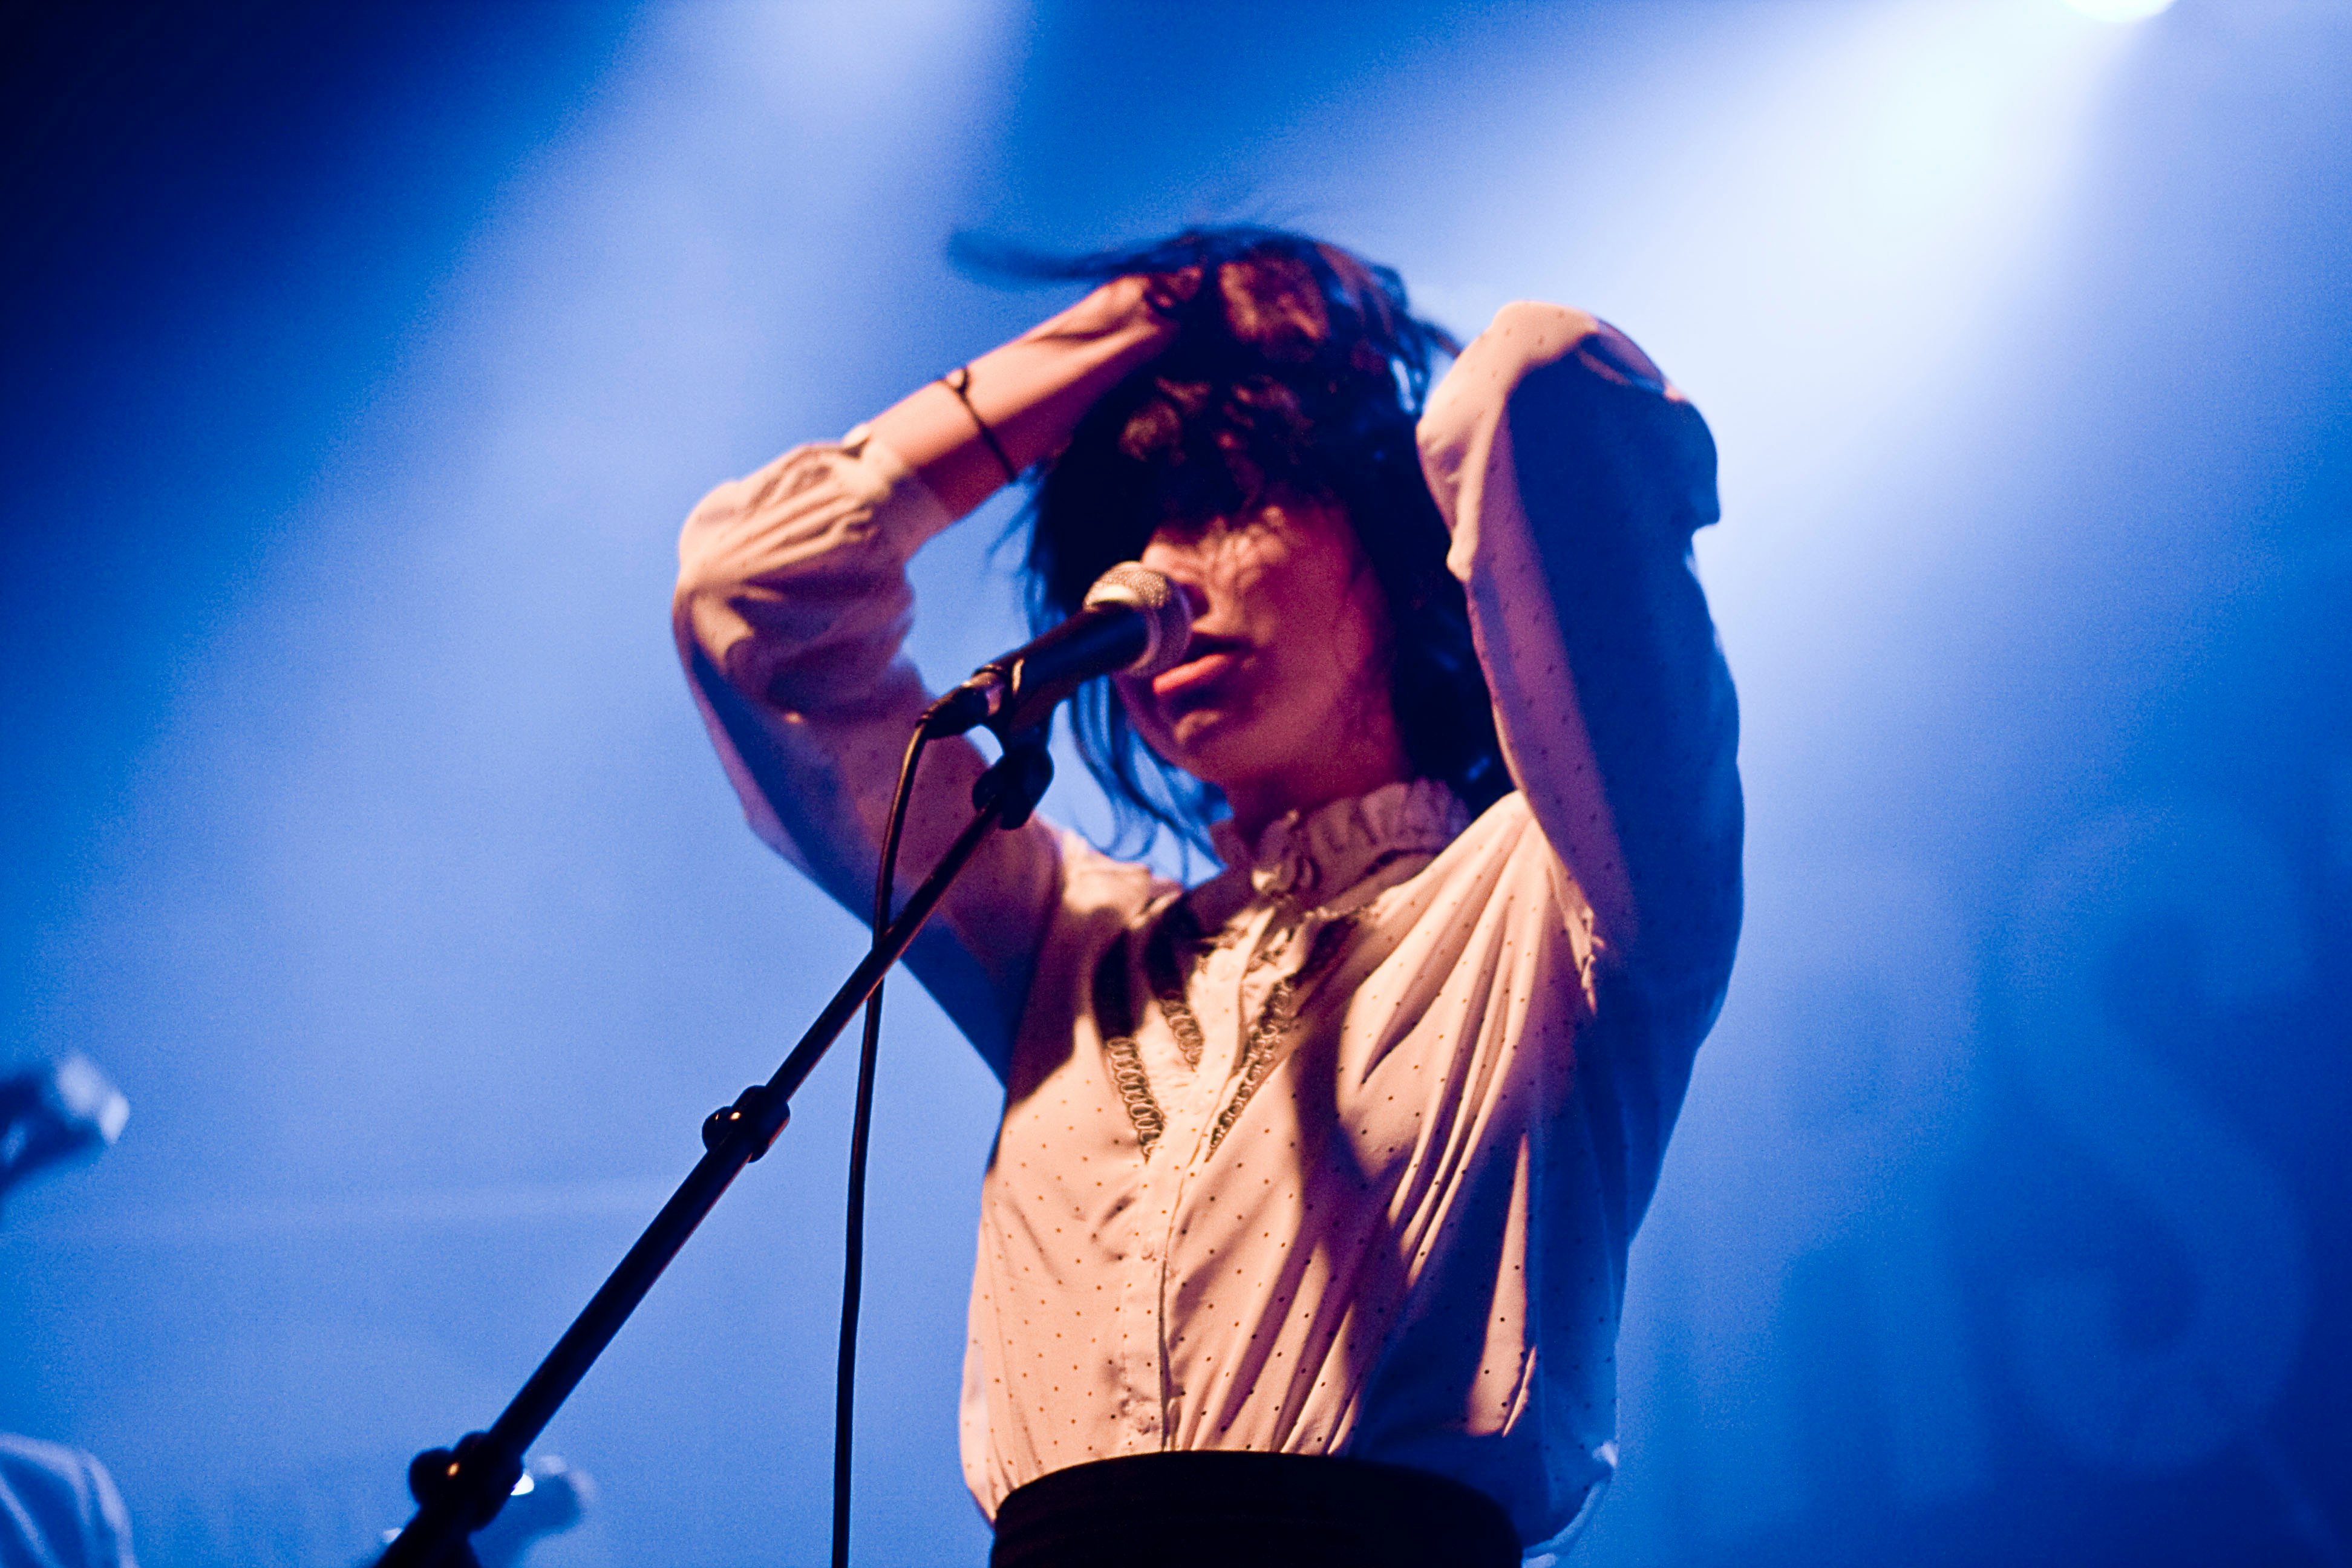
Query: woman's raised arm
792	602
1572	475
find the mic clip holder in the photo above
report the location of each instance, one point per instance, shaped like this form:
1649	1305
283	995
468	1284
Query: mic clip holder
976	703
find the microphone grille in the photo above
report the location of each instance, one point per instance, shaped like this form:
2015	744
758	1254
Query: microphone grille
1164	606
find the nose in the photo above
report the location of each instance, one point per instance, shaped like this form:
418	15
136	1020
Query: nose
1182	571
1196	597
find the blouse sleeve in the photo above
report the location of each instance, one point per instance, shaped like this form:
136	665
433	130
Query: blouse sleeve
1572	475
792	605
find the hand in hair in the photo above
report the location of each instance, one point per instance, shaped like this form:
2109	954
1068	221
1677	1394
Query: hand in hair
1027	396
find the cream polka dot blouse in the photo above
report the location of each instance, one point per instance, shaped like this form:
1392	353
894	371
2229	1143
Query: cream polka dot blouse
1341	1151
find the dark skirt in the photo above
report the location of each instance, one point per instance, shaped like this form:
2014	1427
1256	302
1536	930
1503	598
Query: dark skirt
1211	1510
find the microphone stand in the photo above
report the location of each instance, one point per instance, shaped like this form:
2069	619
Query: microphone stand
460	1489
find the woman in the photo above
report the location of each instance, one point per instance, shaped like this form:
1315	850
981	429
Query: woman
1305	1227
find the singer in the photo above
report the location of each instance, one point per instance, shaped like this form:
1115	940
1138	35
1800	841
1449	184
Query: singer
1305	1233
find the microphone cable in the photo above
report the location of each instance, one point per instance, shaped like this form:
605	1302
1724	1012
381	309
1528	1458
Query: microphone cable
1135	587
854	1249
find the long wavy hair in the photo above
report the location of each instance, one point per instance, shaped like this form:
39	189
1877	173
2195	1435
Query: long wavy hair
1299	372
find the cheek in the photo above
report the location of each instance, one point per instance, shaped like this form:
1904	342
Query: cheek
1339	623
1349	664
1368	618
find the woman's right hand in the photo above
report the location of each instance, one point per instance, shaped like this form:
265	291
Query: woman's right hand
1031	392
1136	300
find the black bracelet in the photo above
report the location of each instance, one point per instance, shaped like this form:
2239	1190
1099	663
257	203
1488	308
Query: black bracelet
957	381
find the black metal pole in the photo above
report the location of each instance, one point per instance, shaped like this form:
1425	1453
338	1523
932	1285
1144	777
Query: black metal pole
460	1489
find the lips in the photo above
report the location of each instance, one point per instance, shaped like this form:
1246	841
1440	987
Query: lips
1207	657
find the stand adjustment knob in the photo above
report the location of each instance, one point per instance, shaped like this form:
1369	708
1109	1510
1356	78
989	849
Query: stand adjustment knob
476	1479
749	1111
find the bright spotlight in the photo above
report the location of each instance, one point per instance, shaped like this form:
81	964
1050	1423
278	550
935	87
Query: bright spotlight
2120	10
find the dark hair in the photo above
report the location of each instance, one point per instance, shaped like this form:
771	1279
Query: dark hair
1299	372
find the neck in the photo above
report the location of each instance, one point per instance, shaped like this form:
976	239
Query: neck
1258	801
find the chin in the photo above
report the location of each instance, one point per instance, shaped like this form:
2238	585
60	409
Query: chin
1204	749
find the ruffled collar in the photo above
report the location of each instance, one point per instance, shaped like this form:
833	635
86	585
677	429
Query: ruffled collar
1314	857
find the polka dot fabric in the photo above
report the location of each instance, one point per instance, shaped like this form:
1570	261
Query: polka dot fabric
1361	1178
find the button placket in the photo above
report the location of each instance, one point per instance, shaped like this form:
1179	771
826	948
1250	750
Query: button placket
1141	1361
1226	986
1215	990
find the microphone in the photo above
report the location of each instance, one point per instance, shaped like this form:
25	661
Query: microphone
1133	621
55	1111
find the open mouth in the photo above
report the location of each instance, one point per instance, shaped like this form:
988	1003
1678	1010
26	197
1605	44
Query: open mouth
1206	658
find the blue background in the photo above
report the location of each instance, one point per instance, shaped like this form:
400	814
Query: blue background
361	364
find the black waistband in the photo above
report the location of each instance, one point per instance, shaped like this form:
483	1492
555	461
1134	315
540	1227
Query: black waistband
1240	1510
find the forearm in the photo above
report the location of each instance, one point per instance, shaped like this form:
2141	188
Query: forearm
792	600
1031	392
